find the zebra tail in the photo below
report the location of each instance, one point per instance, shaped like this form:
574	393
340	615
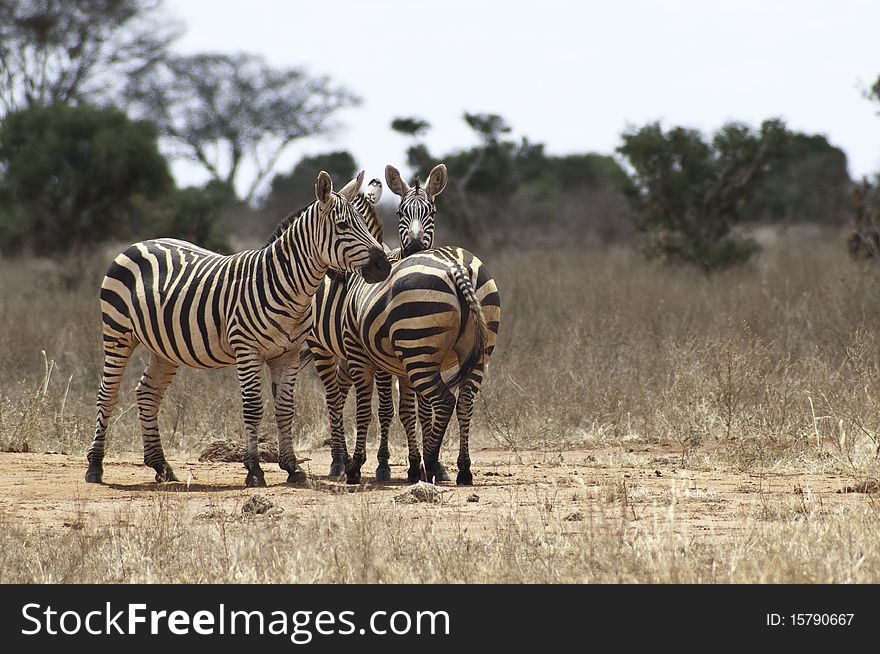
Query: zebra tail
481	330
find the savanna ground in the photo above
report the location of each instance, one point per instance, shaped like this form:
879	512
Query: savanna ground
639	423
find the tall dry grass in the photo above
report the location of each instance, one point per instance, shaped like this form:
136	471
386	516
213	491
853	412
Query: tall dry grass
774	363
773	366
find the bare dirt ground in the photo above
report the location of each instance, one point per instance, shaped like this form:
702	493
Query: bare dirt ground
645	482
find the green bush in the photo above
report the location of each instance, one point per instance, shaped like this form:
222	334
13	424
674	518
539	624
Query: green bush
689	193
71	177
192	214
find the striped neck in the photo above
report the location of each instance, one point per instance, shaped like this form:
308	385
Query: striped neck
371	216
298	262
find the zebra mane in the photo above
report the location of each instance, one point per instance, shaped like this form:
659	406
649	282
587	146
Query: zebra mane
285	223
418	184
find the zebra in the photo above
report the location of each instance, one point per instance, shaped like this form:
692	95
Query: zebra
413	326
193	307
438	308
415	226
323	342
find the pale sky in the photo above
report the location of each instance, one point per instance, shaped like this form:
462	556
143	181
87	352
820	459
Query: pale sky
570	74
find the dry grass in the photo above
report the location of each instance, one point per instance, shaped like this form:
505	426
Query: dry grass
771	367
168	542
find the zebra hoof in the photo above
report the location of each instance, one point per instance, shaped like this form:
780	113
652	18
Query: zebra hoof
440	473
165	473
353	477
434	473
255	480
95	475
464	478
337	467
383	473
296	476
414	472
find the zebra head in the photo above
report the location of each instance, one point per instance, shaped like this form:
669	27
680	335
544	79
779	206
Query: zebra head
374	191
416	211
350	245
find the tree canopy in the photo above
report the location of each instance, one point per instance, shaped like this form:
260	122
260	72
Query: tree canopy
506	190
689	192
74	176
52	51
807	182
224	110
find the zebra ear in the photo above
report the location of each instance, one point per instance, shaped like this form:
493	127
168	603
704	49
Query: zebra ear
350	190
395	182
437	181
323	188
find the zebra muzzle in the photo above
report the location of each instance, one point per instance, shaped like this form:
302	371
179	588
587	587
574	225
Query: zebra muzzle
412	247
377	268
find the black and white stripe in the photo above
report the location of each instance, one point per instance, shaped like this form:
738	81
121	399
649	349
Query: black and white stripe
192	307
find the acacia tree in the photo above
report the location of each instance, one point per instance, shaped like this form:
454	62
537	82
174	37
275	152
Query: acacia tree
59	52
489	128
224	110
688	192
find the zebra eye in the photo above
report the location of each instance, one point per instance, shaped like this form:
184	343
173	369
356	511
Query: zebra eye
343	225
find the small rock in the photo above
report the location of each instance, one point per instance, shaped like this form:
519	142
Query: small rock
574	516
473	497
420	492
256	504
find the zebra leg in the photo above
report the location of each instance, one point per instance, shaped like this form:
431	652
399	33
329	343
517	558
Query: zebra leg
150	391
248	364
344	380
341	458
363	386
283	370
386	415
464	410
443	403
407	412
116	357
325	364
426	418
